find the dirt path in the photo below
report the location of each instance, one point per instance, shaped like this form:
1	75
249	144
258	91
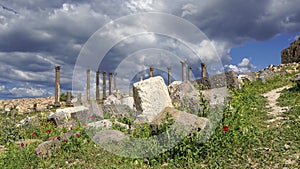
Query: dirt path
275	111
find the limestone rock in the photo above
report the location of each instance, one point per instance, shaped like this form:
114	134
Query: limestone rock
115	110
110	100
26	105
150	97
216	96
186	121
292	53
173	86
129	101
33	120
102	123
69	125
107	136
47	147
185	96
229	79
269	74
65	114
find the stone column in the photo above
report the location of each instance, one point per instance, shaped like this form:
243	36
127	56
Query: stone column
110	83
151	71
169	76
183	70
79	98
88	85
104	85
35	107
97	85
69	99
203	67
141	78
57	86
115	82
190	73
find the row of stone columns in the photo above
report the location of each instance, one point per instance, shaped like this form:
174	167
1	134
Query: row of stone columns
183	63
57	82
110	78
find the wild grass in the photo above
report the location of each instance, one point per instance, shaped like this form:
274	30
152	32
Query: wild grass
249	142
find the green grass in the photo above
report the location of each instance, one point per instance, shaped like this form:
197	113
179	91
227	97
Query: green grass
250	142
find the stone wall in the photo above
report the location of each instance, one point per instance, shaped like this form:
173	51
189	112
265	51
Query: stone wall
292	53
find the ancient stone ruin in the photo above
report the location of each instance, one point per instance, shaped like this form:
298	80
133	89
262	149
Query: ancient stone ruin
151	102
292	53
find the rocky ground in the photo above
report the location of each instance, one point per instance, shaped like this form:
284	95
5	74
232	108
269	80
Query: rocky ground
25	105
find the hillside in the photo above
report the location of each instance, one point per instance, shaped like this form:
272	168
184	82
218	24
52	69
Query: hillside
259	129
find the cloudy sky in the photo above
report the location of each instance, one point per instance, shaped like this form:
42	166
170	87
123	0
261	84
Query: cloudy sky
37	35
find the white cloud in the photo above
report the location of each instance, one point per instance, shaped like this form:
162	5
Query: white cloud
29	92
242	67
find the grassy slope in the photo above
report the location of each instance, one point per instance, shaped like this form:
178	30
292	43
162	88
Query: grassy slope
249	142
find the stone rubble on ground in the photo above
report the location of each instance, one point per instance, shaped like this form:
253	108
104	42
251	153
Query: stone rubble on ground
102	123
46	148
107	136
216	96
185	96
182	120
28	121
25	105
65	114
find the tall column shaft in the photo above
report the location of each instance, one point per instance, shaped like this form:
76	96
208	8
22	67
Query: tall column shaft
110	83
97	85
57	86
183	70
88	85
69	99
190	73
169	75
151	71
79	98
203	67
104	85
141	78
115	81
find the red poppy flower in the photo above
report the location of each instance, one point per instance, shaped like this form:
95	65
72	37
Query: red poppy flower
48	131
225	128
22	144
91	117
58	138
77	135
84	124
65	140
33	134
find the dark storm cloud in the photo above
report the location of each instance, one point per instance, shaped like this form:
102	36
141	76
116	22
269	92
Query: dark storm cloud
237	21
49	33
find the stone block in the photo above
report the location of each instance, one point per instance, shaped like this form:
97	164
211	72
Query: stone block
151	96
